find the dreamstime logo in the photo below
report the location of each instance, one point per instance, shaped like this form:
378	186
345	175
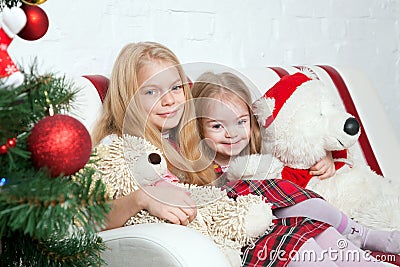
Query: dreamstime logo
339	254
161	101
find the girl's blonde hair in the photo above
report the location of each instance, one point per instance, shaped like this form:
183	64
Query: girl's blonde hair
123	113
226	87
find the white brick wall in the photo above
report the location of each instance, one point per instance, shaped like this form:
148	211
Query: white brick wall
85	36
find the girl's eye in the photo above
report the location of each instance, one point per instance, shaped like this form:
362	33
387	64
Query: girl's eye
216	126
177	87
150	92
242	122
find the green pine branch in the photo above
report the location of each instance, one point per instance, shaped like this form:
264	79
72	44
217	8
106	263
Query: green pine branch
45	90
78	249
42	210
33	204
44	221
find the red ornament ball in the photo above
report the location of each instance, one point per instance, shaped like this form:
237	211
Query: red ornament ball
61	144
3	149
12	142
36	25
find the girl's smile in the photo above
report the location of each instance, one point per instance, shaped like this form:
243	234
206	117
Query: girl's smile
168	114
233	143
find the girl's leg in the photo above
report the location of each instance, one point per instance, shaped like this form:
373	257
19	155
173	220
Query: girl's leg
343	252
303	257
320	210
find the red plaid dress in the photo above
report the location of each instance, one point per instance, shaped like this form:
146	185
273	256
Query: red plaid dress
277	246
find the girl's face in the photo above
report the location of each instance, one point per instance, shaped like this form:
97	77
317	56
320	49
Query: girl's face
161	94
226	128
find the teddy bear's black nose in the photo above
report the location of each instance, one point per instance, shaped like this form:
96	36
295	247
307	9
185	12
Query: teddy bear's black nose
154	158
351	126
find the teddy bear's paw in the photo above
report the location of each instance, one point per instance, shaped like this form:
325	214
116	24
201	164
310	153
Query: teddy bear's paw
258	219
254	167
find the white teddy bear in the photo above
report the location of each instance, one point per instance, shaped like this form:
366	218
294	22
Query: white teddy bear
300	122
130	162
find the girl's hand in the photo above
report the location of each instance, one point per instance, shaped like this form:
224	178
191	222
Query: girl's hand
325	168
168	202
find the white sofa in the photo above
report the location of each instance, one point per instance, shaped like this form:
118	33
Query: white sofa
172	245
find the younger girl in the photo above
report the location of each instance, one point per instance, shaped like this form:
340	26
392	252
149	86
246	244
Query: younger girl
229	128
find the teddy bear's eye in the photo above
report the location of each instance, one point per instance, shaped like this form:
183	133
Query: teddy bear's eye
154	158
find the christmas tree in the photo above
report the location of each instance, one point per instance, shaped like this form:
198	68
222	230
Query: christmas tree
51	206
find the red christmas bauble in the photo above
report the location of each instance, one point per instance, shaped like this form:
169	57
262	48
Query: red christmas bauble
61	144
36	25
12	142
3	149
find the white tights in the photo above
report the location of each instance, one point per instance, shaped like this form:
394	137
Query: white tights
320	210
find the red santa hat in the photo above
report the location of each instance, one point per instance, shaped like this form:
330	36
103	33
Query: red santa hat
281	92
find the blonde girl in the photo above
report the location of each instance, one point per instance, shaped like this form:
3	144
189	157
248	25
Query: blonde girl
148	96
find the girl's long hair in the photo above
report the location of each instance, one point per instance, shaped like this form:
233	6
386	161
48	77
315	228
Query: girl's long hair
123	114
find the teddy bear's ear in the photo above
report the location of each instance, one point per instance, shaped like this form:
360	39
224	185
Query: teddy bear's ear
263	108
